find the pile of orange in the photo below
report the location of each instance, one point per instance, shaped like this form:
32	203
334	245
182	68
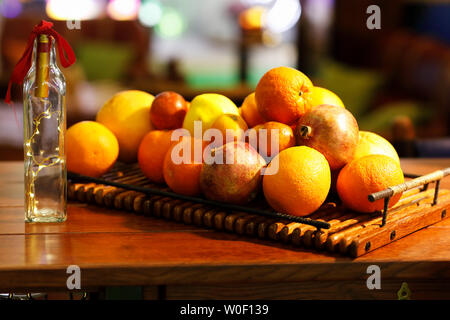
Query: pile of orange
303	179
297	179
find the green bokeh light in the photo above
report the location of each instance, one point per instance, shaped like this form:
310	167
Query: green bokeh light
171	24
150	13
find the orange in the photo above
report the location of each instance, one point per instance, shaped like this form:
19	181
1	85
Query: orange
286	137
366	175
232	123
249	111
151	153
184	177
301	183
324	96
371	143
91	148
283	95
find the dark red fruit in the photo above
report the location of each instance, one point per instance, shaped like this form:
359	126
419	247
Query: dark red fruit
331	130
168	110
237	182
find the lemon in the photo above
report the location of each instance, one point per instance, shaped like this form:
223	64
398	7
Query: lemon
207	108
370	143
127	115
324	96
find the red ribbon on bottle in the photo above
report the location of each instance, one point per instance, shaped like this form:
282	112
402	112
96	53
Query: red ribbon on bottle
24	64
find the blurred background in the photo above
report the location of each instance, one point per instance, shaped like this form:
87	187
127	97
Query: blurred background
395	80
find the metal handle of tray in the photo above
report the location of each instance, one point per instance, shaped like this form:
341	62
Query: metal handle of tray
386	194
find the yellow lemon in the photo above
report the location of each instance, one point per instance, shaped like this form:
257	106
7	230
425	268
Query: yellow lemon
324	96
127	115
370	143
207	108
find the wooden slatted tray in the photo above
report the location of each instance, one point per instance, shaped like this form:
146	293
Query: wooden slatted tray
350	233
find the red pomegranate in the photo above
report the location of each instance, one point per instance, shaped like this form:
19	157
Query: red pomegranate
332	130
236	175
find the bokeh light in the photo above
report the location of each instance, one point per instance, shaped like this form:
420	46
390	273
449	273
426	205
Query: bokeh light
10	8
171	24
319	12
249	3
150	13
123	9
252	18
74	10
283	15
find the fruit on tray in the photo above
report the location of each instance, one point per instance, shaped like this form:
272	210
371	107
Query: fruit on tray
332	130
372	143
168	110
324	96
92	149
232	128
249	111
320	152
283	95
182	167
301	183
207	108
266	132
126	114
152	151
237	182
367	175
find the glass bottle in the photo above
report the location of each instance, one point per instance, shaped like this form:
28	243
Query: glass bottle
44	117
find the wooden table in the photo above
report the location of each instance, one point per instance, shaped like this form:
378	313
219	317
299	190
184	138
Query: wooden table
175	261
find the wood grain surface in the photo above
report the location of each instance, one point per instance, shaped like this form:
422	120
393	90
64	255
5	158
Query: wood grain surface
350	233
118	248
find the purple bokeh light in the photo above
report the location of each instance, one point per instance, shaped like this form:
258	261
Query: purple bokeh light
10	8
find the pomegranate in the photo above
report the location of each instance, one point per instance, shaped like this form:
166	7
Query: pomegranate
235	174
331	130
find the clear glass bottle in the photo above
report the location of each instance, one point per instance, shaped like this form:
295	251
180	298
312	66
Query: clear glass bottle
44	118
